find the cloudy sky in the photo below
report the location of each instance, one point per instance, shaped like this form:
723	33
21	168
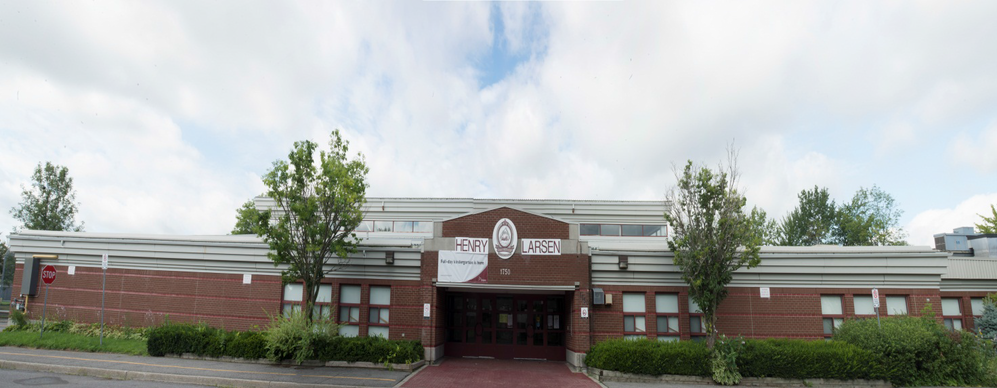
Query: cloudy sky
167	114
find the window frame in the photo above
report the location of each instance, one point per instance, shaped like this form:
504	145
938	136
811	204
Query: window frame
358	306
693	334
320	306
295	305
634	315
643	230
949	320
889	306
668	315
835	319
371	306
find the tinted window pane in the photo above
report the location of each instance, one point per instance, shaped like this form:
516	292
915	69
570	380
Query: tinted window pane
382	226
403	226
422	227
589	230
632	230
365	226
654	230
610	230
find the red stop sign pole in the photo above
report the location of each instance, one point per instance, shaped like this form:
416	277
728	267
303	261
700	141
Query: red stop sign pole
48	276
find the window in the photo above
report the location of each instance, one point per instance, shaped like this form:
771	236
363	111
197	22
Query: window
697	325
323	302
365	226
382	226
951	313
896	304
863	305
293	295
380	301
623	230
422	227
633	316
830	309
349	310
655	230
610	230
403	226
632	230
667	308
977	305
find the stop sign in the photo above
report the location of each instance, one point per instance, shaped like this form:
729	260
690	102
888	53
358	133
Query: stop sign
48	274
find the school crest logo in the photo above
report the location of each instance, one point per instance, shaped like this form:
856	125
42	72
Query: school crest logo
504	238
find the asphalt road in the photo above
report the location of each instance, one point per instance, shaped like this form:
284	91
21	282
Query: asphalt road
22	378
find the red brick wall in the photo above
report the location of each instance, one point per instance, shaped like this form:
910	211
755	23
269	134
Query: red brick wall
965	305
788	313
144	297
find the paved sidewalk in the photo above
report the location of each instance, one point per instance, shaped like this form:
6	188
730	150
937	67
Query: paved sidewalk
177	370
488	373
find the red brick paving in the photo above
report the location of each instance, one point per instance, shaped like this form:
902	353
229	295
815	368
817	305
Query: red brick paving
486	373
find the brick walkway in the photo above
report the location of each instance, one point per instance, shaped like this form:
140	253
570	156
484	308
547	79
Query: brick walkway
485	373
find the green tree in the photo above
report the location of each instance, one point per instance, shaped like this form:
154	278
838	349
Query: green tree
247	219
50	202
766	230
7	256
871	218
316	210
987	324
811	222
713	237
989	225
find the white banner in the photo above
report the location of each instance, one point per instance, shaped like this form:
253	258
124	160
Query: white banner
541	247
462	267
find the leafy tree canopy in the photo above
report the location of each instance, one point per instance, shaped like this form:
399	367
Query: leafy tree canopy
50	202
766	229
713	237
316	209
870	218
989	225
811	222
247	219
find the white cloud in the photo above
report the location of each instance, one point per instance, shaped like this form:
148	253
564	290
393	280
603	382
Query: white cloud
167	113
976	152
934	221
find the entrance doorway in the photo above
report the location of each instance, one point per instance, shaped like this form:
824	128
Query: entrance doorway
506	326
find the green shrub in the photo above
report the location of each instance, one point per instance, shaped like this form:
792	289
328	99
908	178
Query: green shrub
799	359
369	349
918	351
650	357
288	338
180	338
19	319
723	360
250	345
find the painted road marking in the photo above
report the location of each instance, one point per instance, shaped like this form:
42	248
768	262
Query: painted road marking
196	368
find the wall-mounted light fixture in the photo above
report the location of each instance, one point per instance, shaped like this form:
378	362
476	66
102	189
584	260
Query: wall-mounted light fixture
624	262
389	257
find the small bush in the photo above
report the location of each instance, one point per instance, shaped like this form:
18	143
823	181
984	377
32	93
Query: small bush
723	360
250	345
19	319
799	359
180	338
918	351
291	338
650	357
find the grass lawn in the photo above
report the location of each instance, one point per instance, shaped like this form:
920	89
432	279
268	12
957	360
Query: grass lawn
67	341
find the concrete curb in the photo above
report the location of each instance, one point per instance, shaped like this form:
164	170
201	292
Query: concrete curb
158	377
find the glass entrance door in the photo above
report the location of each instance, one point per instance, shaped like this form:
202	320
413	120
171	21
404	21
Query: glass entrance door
506	326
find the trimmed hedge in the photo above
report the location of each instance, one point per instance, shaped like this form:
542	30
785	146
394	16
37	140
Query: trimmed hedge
370	349
799	359
651	357
203	340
